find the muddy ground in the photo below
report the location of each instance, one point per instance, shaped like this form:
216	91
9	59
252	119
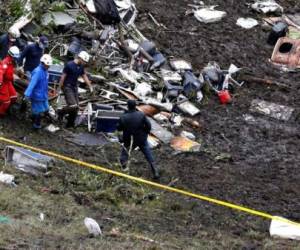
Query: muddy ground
254	165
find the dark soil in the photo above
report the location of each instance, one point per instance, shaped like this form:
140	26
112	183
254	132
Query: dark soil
255	165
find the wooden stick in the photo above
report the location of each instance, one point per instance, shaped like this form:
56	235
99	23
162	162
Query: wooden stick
265	81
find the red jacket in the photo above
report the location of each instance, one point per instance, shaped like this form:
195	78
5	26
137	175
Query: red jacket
7	90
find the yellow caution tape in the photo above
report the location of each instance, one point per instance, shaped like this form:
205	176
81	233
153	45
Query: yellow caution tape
153	184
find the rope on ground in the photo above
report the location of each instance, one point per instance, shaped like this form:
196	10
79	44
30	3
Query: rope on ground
153	184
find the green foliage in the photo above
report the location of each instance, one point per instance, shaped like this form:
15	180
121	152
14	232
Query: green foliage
39	8
58	6
16	8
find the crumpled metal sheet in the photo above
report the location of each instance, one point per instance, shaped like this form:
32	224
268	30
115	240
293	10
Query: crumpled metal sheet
161	133
59	19
273	110
267	6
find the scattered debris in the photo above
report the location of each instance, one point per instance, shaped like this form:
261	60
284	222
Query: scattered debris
188	135
42	216
27	161
58	18
273	110
247	23
7	179
183	144
161	133
52	128
267	6
180	65
286	230
188	108
286	53
92	226
4	220
209	14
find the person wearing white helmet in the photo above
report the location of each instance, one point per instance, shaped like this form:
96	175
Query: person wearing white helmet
69	85
37	90
9	39
8	94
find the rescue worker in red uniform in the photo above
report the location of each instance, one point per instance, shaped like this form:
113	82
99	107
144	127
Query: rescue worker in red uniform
8	94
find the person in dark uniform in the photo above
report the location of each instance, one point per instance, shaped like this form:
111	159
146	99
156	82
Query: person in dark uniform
136	127
9	39
32	54
68	83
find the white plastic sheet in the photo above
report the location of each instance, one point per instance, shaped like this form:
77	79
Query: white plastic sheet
6	178
247	23
209	15
285	230
92	226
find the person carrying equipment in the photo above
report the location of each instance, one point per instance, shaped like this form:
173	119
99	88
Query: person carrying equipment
68	83
37	90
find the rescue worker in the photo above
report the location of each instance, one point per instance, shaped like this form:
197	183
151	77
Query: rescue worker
32	55
136	126
8	94
8	40
37	90
68	83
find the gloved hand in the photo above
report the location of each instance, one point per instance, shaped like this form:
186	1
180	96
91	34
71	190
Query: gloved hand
24	104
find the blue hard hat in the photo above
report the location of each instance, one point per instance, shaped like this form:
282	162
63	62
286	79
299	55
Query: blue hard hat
43	40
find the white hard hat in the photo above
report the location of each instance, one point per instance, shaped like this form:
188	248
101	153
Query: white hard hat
14	32
84	56
47	59
14	52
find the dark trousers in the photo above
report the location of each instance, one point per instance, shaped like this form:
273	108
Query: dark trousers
36	118
143	147
72	100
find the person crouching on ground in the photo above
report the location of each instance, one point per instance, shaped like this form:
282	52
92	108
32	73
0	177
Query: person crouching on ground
136	126
37	90
8	94
68	83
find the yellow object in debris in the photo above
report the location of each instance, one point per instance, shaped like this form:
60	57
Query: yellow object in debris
184	144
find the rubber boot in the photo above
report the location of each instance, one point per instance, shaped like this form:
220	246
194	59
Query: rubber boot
155	171
71	119
36	121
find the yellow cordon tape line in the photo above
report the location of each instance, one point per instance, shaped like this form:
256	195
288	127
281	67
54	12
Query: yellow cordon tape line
151	183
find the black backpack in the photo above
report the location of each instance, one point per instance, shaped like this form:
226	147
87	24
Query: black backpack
107	12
